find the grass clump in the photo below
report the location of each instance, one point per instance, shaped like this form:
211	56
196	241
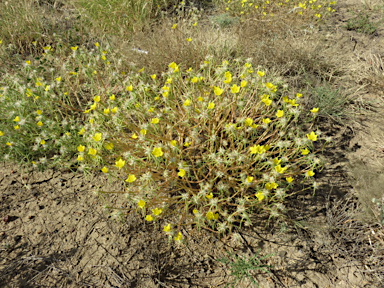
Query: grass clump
362	24
203	147
242	267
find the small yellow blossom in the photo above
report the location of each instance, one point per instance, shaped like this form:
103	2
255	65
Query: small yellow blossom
155	120
157	211
181	173
106	111
143	132
74	48
260	196
189	39
279	113
209	196
174	26
315	110
39	123
17	119
299	95
104	170
310	173
243	83
120	163
211	105
271	186
173	143
39	112
80	158
131	178
1	133
187	102
289	179
187	144
250	179
92	151
178	237
28	62
261	73
305	151
167	228
141	204
235	89
97	137
81	132
134	136
96	98
129	88
280	169
108	146
212	216
16	127
112	97
248	122
153	76
80	148
114	110
149	218
312	136
266	120
157	152
217	90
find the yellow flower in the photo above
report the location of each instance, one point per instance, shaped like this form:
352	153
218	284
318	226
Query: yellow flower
106	111
271	186
104	170
178	237
194	24
149	218
141	204
74	48
80	158
194	79
97	137
108	146
167	228
141	70
120	163
260	195
92	151
261	73
248	122
157	152
97	44
155	120
187	102
217	90
189	39
96	98
131	178
39	112
310	173
129	88
266	120
279	113
211	105
200	99
142	132
228	80
16	127
181	173
280	169
153	76
134	136
187	144
157	211
114	110
28	62
80	148
17	119
174	26
249	179
289	179
235	89
209	196
243	83
81	132
257	149
299	95
305	151
1	133
212	216
174	66
39	123
112	97
315	110
312	136
173	143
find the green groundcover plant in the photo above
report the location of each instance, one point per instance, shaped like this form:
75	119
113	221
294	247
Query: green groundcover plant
206	147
